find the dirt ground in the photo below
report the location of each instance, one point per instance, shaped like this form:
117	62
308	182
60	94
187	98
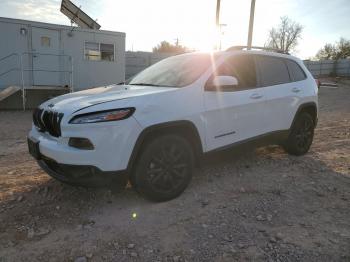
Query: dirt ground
252	205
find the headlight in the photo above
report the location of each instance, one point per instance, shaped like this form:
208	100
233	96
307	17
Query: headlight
103	116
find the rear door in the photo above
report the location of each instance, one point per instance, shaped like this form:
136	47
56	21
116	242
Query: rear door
237	113
282	90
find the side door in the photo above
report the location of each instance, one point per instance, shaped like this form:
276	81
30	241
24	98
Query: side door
46	62
236	113
282	92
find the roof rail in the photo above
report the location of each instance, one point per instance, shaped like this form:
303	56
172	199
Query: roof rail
241	47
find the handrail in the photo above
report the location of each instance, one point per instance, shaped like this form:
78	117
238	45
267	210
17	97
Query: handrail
12	54
31	53
21	69
10	70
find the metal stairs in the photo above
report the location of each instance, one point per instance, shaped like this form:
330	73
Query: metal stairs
11	98
5	93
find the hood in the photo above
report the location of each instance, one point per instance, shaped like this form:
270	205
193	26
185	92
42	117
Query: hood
82	99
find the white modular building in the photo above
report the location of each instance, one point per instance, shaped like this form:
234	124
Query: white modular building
42	56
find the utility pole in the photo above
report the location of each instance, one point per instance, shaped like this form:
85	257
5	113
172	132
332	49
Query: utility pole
218	13
251	23
217	23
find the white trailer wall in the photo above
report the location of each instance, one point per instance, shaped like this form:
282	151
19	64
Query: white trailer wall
17	37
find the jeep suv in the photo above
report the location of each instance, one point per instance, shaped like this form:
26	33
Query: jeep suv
152	130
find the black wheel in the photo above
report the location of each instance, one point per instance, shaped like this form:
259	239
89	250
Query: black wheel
164	168
301	135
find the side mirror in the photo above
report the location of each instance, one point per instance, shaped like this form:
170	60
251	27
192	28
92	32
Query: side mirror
221	82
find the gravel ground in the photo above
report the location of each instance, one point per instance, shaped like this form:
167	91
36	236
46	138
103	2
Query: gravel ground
242	205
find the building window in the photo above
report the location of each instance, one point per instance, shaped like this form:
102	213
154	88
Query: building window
99	51
45	41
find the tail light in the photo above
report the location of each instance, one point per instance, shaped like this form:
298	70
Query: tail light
318	83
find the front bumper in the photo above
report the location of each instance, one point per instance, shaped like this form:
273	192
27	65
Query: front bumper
113	143
84	175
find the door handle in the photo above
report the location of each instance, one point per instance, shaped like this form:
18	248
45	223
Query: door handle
256	96
295	90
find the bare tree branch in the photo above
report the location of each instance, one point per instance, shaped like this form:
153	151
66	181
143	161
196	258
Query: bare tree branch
285	36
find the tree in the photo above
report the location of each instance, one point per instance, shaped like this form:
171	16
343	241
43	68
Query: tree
285	37
166	47
339	50
326	53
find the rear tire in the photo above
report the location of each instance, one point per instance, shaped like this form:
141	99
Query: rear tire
164	168
301	135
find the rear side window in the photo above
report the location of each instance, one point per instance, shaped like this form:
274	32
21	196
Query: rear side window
243	68
295	71
273	71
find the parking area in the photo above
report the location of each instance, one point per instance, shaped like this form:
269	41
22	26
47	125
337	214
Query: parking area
242	205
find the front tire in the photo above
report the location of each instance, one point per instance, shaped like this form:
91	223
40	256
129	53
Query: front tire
301	135
164	168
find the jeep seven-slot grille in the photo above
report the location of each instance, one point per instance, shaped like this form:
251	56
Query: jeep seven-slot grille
48	121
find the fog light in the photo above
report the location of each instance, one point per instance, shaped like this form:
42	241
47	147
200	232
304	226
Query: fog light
81	143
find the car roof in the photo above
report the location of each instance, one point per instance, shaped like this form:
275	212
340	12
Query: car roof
237	52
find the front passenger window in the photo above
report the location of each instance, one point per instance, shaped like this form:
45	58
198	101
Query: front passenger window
242	68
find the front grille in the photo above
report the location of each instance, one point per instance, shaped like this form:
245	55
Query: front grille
48	121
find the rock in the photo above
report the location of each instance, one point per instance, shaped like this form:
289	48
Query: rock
42	232
20	198
58	207
260	218
133	254
80	259
228	238
30	233
233	250
10	244
242	190
210	236
176	258
272	240
269	217
89	255
279	236
205	202
241	245
131	246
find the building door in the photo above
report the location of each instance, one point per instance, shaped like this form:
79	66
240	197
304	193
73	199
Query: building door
46	62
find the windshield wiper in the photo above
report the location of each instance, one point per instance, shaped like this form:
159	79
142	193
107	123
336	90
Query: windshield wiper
146	84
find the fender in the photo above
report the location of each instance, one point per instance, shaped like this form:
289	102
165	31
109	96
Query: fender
184	127
303	107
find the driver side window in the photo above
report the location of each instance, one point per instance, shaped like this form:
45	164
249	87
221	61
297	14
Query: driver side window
241	67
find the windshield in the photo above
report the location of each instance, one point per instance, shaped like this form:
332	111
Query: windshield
175	71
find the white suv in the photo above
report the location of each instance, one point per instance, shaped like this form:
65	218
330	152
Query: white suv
152	130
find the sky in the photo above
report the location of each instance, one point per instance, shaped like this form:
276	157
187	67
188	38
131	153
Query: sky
192	22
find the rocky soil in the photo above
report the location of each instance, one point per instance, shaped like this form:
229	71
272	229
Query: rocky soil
242	205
